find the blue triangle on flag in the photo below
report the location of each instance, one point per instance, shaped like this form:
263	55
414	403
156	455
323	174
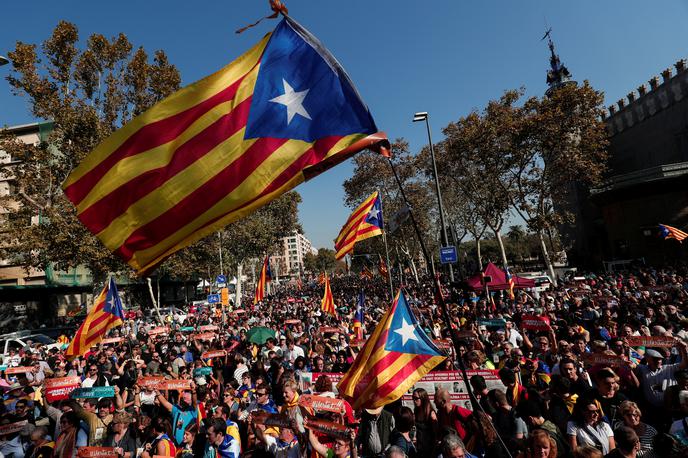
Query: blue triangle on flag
405	335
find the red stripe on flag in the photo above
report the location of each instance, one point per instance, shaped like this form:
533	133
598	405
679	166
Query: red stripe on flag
351	233
148	137
201	199
404	373
310	157
358	233
374	371
99	215
360	363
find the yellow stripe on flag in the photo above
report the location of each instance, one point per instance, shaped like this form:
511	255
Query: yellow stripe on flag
181	100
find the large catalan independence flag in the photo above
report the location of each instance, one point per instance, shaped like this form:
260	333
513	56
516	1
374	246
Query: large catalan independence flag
105	315
364	222
395	356
221	148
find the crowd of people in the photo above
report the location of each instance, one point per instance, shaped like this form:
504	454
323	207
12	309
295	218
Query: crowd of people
578	386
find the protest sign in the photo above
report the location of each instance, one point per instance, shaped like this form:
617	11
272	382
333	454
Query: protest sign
112	340
292	322
11	428
149	382
18	370
178	385
158	330
443	344
202	371
465	334
329	330
605	360
329	428
205	336
208	328
271	419
449	380
94	392
321	403
214	354
57	389
187	329
493	323
535	322
651	341
96	452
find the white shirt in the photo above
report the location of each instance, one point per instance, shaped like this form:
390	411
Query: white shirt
291	355
602	432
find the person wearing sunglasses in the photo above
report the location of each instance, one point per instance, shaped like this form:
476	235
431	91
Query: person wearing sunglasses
588	428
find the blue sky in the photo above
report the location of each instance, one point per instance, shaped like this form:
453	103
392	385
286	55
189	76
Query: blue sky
446	57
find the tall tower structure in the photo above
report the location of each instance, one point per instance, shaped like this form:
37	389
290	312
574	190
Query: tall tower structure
557	75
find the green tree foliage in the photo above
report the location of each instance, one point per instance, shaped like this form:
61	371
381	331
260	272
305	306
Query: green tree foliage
88	92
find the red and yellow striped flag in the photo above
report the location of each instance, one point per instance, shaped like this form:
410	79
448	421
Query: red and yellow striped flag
263	279
106	314
364	222
327	304
394	358
221	148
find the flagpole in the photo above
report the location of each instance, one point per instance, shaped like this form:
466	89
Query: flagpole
384	239
443	306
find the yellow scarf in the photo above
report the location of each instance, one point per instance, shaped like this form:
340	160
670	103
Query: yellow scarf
570	401
294	402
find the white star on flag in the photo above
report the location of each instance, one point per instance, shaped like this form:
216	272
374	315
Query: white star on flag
372	214
407	331
293	101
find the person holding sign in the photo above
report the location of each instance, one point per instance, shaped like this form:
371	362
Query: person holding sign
655	377
284	446
341	448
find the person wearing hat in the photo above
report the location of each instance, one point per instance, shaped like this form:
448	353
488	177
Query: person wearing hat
655	377
120	437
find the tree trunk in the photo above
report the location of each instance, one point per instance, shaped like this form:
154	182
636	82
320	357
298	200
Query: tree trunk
152	296
237	292
479	256
157	287
548	261
414	270
500	242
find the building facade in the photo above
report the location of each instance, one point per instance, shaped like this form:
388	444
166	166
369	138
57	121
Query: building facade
647	178
287	261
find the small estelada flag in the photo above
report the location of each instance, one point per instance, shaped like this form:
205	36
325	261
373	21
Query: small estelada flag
327	304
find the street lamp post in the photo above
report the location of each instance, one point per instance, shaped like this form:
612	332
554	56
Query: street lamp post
423	116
